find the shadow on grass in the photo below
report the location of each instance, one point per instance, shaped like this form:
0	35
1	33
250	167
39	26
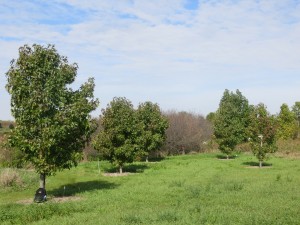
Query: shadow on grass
256	164
80	187
131	168
156	159
225	157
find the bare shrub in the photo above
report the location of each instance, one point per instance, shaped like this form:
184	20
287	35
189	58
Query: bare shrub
289	148
89	153
243	147
10	177
187	132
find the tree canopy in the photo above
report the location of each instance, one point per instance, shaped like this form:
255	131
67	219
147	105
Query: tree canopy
119	139
262	131
154	126
52	119
296	111
231	121
287	123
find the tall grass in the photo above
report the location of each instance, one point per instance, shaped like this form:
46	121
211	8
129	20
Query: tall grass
190	189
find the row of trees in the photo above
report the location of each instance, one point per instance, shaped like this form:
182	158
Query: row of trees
237	122
127	134
53	122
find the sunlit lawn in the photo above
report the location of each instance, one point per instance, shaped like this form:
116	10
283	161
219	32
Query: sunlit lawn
191	189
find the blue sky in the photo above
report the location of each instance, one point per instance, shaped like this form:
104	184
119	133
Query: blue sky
181	54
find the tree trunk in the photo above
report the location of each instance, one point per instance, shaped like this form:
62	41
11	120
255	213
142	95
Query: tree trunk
43	181
260	164
147	159
227	156
121	169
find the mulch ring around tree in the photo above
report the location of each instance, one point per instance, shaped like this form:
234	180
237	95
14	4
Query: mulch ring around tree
51	199
116	174
257	167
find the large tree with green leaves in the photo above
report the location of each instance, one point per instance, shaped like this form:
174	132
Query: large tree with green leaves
262	132
52	120
287	123
296	111
231	121
154	127
120	137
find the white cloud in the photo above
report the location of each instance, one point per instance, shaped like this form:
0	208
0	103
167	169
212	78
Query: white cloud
160	50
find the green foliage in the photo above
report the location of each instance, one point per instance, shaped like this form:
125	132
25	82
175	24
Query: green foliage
231	121
121	133
127	133
287	123
154	127
52	120
296	111
10	157
262	132
211	117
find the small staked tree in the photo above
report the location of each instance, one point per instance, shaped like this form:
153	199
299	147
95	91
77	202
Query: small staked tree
231	121
287	123
154	127
118	140
52	120
262	131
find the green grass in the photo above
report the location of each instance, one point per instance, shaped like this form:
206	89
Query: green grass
191	189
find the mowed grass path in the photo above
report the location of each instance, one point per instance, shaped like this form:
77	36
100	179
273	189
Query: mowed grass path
191	189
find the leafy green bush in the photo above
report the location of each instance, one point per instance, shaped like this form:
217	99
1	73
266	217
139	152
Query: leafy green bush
10	157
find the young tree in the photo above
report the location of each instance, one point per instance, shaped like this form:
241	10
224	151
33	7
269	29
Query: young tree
287	123
231	121
119	139
296	111
262	130
52	120
154	127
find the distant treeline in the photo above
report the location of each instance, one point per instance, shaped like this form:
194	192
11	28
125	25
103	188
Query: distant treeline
7	124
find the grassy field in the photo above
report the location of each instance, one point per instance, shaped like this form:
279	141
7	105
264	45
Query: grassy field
191	189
